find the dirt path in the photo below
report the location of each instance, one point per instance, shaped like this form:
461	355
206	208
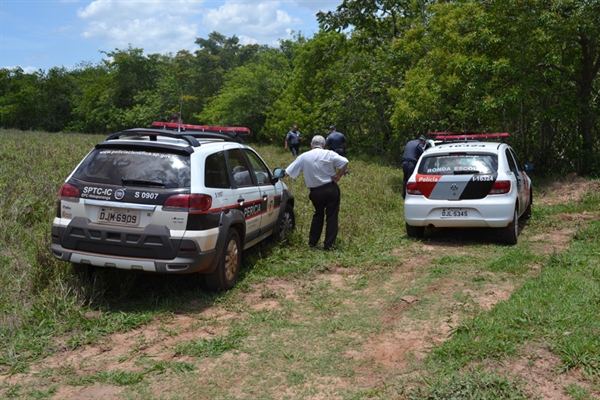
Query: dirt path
397	350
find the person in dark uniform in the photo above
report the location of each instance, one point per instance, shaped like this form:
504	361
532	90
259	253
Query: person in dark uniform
411	155
292	140
319	168
336	141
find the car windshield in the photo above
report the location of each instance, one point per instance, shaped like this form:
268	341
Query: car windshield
454	164
142	168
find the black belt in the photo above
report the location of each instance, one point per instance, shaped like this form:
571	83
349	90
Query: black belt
322	186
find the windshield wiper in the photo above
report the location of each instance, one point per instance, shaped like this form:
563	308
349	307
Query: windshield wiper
465	172
127	181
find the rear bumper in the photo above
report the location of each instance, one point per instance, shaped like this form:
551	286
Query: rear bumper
182	264
150	250
496	212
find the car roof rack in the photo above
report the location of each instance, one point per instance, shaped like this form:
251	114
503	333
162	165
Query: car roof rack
191	137
466	136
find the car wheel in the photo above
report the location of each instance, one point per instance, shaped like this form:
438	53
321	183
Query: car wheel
415	231
511	232
288	222
225	275
527	213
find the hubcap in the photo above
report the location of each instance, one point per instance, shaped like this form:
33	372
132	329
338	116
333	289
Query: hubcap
286	225
231	260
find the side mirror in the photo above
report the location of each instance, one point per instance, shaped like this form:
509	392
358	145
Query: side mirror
278	173
529	166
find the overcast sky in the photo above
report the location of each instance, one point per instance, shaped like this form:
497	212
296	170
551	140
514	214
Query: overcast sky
41	34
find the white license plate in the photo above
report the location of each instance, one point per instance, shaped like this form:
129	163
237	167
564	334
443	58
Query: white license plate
454	213
119	216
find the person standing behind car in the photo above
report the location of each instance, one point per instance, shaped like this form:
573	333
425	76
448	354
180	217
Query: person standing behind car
176	118
411	155
336	141
292	140
319	168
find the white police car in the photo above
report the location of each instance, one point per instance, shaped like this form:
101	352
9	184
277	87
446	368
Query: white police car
172	199
463	182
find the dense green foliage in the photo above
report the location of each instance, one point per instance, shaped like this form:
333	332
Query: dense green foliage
382	71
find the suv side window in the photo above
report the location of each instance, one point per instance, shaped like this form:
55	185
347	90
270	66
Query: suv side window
511	161
215	171
239	168
263	177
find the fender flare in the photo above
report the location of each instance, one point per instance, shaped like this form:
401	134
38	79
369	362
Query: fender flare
286	197
228	219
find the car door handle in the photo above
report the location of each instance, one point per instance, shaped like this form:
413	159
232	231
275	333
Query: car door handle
241	200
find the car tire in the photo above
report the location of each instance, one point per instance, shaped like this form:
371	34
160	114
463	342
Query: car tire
415	231
287	223
225	275
511	232
527	213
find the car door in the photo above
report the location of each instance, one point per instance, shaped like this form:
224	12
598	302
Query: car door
269	196
246	195
522	189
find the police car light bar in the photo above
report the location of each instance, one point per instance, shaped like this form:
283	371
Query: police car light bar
467	135
236	130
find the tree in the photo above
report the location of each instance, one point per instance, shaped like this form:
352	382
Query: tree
248	91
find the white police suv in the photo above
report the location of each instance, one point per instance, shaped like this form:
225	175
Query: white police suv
463	182
171	199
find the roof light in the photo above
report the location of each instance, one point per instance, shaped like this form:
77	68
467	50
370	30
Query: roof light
456	136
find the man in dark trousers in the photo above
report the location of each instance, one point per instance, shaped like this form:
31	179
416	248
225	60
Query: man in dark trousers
319	168
411	155
292	140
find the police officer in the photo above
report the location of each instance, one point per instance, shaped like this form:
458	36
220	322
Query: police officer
292	140
411	155
336	141
319	168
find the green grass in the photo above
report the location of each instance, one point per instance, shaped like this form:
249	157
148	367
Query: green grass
320	341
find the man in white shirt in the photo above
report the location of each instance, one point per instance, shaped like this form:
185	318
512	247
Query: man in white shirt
319	168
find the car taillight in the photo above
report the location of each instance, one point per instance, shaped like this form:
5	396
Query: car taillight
68	192
413	188
192	203
500	187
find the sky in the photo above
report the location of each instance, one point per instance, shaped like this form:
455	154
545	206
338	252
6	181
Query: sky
41	34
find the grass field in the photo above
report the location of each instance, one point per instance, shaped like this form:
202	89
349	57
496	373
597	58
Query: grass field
456	315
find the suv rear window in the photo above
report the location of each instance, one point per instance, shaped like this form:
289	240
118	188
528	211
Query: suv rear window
116	167
453	164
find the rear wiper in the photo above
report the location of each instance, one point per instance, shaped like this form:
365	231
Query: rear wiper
127	181
465	172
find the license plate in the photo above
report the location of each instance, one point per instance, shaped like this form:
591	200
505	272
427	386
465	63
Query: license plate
454	213
119	216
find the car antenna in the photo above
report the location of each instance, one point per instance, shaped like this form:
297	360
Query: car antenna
180	108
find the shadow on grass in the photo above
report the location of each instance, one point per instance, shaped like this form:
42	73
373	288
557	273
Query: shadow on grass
117	290
462	237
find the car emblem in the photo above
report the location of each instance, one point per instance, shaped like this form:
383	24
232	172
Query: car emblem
454	187
119	194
